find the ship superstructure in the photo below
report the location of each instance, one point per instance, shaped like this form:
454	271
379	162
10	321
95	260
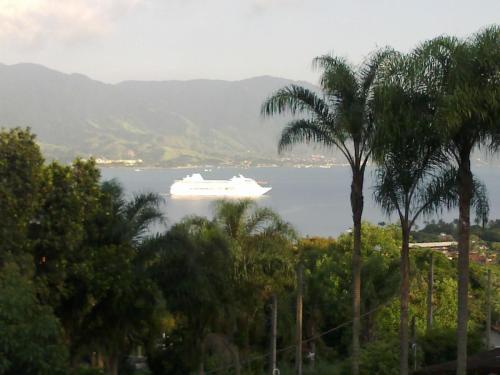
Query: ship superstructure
196	186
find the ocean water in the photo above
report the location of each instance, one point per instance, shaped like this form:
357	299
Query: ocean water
314	200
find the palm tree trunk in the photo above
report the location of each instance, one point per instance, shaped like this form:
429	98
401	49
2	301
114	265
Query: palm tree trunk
274	332
200	344
113	364
488	311
464	202
311	332
368	328
237	363
100	360
357	212
405	287
298	330
430	287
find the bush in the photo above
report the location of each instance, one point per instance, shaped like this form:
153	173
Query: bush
30	335
89	371
439	345
320	368
380	357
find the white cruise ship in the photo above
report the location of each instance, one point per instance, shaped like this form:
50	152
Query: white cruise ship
196	186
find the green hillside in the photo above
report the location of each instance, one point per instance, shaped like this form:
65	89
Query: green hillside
163	123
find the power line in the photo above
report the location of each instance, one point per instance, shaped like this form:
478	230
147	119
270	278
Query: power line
293	346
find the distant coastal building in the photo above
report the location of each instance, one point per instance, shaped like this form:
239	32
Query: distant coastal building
449	249
125	162
446	245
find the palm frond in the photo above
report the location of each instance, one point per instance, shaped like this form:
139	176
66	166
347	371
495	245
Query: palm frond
371	67
258	220
338	78
438	191
480	202
386	192
281	228
140	202
142	211
304	131
231	215
295	99
113	190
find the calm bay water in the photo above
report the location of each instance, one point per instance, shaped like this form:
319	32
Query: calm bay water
314	200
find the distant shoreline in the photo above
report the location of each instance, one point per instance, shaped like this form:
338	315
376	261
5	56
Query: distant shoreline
141	167
236	166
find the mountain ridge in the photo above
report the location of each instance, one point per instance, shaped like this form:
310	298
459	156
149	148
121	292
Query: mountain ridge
167	123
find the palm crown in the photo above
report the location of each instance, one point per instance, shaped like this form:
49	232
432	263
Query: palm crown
339	116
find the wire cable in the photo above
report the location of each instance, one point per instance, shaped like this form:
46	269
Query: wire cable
293	346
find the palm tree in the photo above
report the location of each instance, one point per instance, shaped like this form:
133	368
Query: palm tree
340	118
408	153
245	223
124	300
465	76
262	244
129	220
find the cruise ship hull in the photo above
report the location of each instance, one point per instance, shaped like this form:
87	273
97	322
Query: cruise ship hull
232	194
237	187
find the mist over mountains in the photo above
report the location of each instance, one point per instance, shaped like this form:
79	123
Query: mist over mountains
164	123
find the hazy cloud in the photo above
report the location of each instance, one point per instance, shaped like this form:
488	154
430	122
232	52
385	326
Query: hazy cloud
34	22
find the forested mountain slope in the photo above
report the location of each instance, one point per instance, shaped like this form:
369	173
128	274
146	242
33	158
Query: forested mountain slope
166	123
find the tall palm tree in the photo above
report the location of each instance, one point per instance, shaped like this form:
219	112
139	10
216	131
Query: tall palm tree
408	153
339	118
465	75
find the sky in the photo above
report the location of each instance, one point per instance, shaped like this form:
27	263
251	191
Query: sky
117	40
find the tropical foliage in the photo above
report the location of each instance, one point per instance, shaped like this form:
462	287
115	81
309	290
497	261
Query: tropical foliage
92	282
464	76
341	118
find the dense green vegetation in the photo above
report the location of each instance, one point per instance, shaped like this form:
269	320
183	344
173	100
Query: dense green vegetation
86	287
419	116
434	231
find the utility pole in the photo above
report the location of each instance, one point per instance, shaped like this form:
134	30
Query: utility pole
274	325
430	287
300	292
488	311
414	342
